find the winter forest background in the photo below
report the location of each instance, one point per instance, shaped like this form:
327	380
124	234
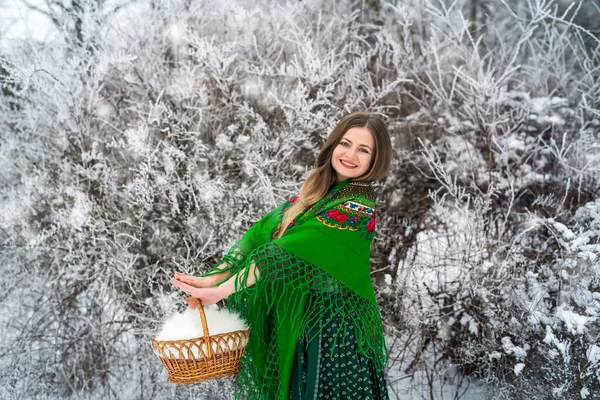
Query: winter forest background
143	137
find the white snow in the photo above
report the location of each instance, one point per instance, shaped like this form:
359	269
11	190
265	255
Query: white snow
564	231
510	348
574	322
388	279
584	392
593	354
82	207
518	368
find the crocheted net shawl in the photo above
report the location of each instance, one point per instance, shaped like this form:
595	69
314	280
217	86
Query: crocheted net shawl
324	251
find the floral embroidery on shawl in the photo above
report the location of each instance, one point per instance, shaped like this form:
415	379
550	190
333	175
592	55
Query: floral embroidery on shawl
352	215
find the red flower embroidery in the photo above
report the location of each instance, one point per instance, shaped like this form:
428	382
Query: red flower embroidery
294	199
371	224
341	217
338	216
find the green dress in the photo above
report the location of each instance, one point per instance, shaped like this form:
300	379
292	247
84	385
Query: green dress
322	370
312	302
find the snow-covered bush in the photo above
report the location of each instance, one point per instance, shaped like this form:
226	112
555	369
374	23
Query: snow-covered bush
142	139
488	268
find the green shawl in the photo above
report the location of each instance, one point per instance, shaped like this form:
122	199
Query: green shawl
325	251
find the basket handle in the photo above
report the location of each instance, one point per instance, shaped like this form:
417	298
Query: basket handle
204	327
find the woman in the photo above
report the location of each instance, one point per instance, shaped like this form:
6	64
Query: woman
300	276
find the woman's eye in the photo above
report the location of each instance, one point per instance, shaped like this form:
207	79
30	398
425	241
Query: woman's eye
363	149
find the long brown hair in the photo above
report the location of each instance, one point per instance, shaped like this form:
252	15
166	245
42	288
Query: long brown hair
324	176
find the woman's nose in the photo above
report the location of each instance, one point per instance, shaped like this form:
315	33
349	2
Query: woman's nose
352	153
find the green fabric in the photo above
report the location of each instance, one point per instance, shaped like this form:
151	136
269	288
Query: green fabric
326	250
324	371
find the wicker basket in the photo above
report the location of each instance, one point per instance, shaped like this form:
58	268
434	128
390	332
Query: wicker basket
204	358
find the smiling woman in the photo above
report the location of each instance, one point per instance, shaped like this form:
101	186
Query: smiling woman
300	277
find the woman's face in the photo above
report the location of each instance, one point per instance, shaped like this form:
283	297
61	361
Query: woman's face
356	148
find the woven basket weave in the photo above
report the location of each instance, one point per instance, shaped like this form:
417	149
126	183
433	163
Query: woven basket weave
201	359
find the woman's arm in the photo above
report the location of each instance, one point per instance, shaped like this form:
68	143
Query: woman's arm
219	277
242	280
223	275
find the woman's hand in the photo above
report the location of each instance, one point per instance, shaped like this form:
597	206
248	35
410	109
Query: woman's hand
204	282
207	295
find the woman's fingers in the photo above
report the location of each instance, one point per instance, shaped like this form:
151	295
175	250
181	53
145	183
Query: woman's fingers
183	286
183	277
207	296
194	281
192	301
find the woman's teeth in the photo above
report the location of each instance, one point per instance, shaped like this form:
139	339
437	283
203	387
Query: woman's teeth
347	165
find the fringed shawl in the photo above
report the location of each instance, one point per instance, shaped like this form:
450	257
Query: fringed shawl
324	251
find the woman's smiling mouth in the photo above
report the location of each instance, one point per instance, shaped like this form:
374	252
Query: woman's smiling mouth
347	164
